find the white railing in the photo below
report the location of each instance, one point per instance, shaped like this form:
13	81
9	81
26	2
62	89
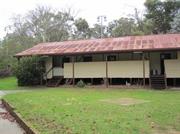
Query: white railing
58	71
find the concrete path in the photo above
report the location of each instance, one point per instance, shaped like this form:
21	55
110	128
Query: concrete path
7	123
1	94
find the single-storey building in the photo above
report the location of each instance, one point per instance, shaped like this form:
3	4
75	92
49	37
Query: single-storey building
152	60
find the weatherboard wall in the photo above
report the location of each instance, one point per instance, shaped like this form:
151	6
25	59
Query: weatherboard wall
172	67
127	69
116	69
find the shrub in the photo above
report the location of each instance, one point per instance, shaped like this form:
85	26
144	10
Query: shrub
5	72
29	71
80	84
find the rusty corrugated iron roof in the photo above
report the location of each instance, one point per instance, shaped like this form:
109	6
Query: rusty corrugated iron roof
121	44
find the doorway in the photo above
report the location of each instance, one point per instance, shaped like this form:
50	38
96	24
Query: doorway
162	57
155	63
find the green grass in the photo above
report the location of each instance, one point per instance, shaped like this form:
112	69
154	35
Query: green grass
8	83
80	111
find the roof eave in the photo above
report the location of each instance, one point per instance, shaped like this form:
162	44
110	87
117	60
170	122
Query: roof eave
102	52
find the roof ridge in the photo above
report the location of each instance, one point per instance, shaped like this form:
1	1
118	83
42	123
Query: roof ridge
99	39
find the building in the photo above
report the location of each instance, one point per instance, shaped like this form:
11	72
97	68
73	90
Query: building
152	60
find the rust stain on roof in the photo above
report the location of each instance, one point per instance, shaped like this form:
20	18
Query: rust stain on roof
129	43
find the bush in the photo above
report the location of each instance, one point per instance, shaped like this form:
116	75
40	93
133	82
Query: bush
29	71
5	72
80	84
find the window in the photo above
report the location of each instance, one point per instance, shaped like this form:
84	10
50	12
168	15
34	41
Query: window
66	60
87	58
111	58
137	56
166	56
79	59
169	55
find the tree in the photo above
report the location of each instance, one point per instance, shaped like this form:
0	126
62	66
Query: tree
48	25
138	20
122	27
42	24
82	30
161	13
175	24
96	31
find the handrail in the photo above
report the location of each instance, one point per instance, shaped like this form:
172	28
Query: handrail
165	79
46	73
157	75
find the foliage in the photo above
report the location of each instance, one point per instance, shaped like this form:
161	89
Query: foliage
175	24
82	29
43	24
29	71
5	72
161	13
96	31
67	111
11	45
122	27
80	84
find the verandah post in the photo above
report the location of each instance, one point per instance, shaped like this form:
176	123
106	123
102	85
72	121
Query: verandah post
106	81
149	57
73	71
143	58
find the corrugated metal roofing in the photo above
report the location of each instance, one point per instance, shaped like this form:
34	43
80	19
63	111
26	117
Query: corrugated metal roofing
121	44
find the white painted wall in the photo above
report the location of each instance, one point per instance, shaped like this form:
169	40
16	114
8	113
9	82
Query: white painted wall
116	69
68	71
127	69
90	70
172	67
58	71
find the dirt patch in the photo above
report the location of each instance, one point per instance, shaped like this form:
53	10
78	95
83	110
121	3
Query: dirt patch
165	131
125	101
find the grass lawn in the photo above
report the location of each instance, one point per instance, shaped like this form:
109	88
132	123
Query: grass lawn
83	111
8	83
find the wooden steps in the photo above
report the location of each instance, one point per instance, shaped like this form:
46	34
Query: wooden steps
54	82
158	81
69	81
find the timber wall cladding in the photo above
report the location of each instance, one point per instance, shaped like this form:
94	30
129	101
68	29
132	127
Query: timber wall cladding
116	69
127	69
68	71
172	67
58	71
85	70
90	70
